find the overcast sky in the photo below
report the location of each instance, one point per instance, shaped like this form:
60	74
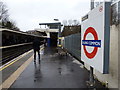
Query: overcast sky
29	13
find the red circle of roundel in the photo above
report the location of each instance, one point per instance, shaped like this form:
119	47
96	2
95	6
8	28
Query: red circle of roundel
94	33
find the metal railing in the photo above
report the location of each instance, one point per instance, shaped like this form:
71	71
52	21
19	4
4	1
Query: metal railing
73	45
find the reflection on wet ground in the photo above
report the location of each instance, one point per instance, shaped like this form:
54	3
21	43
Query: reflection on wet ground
37	73
53	71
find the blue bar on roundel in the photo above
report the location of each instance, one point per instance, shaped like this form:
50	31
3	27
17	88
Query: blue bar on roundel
92	43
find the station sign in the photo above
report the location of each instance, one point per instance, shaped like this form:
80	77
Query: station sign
95	37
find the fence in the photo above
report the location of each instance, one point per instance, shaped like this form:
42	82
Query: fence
73	45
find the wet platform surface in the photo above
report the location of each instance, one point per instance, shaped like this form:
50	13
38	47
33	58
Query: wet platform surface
54	71
6	73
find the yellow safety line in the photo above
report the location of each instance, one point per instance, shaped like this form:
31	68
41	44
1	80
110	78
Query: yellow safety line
14	61
8	65
59	37
59	45
11	79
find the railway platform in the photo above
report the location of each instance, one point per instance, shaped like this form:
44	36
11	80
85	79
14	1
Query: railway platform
53	71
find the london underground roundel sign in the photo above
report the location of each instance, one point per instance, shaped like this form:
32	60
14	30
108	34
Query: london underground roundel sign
95	37
93	43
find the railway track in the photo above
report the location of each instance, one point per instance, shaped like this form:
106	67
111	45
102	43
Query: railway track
12	52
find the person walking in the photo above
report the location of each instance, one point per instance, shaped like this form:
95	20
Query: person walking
36	48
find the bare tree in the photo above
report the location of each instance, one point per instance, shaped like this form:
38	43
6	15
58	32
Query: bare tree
71	22
76	22
5	22
65	23
3	12
114	14
11	25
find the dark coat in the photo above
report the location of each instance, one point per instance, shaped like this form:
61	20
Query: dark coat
36	44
